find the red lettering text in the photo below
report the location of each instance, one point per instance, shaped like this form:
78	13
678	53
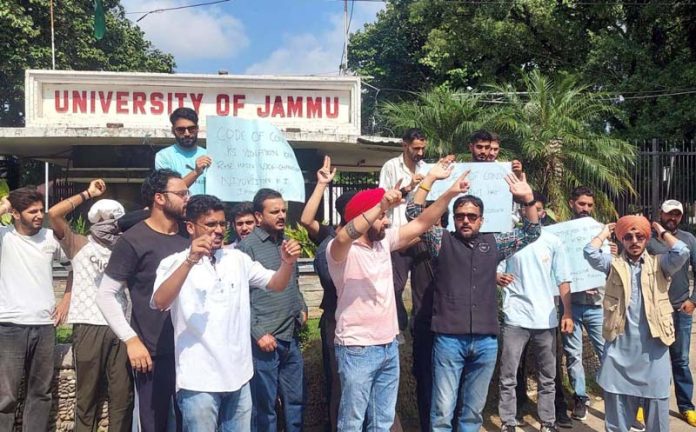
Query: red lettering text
313	107
237	103
329	113
79	100
156	102
294	106
61	108
262	113
139	99
121	102
222	105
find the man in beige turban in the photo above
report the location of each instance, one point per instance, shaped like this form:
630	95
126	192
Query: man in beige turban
638	326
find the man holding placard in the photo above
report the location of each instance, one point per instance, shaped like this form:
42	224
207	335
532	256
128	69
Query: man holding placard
185	157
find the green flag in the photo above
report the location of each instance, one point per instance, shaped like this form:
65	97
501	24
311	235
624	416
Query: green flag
99	20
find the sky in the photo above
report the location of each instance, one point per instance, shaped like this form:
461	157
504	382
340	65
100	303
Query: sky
275	37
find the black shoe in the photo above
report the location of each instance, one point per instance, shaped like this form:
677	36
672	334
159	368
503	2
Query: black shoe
549	428
508	428
637	426
580	408
562	420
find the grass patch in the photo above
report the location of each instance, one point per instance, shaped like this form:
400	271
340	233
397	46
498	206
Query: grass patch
64	334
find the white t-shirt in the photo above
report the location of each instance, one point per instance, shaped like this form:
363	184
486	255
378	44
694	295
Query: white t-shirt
211	318
89	259
26	276
395	169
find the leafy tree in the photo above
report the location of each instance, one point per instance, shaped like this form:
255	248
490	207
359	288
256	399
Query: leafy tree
25	43
556	126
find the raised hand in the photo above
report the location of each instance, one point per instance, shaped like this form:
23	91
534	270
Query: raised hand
461	185
202	163
201	246
442	169
5	205
659	229
96	188
392	198
290	251
325	175
519	188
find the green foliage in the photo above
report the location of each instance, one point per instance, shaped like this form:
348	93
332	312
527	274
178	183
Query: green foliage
79	225
5	219
25	43
64	334
634	49
309	333
300	234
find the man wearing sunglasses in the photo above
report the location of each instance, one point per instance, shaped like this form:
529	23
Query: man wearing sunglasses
185	157
683	304
465	306
207	289
637	326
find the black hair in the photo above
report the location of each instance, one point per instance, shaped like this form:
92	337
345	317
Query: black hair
241	209
580	191
468	199
413	134
495	137
22	198
341	203
156	183
200	205
538	196
184	113
263	195
479	136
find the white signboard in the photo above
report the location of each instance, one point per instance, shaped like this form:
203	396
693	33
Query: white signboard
575	235
488	183
140	100
249	155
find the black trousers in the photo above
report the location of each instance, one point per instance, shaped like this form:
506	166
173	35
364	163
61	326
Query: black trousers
401	266
423	370
157	394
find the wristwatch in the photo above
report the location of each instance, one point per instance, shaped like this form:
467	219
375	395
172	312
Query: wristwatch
530	203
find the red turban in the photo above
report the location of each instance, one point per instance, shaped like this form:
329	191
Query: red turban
627	223
362	202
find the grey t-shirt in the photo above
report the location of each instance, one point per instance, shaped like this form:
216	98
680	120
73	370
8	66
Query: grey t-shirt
679	288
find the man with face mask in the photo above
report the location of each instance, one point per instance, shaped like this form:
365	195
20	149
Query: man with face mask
100	357
27	306
683	304
185	157
638	326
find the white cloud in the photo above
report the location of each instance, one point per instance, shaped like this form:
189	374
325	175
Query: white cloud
196	33
308	53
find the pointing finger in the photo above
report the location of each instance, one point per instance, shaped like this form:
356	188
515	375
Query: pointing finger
397	186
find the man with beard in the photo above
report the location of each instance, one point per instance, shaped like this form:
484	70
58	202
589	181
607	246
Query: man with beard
465	318
185	157
100	357
403	170
359	261
133	263
27	307
683	306
207	288
276	318
637	324
587	313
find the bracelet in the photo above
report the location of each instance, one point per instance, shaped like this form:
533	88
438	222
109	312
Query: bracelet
366	219
530	203
662	234
425	188
89	195
83	194
190	261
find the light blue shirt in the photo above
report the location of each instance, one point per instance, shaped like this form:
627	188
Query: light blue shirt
182	161
538	270
635	363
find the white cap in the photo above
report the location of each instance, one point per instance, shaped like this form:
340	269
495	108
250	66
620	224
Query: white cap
105	209
671	205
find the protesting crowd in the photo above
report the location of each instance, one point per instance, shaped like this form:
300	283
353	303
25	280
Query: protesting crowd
195	317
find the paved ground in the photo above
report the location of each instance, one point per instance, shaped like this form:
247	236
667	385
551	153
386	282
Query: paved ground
595	417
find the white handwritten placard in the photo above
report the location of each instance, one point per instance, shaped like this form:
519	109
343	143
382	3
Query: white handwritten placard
249	155
488	183
575	235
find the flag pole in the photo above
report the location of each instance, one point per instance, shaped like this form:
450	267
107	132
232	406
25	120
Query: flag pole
53	62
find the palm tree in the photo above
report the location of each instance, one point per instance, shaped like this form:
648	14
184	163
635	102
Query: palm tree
447	118
557	128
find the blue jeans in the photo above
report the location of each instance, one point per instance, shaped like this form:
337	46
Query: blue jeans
468	360
369	386
589	317
679	353
216	411
278	373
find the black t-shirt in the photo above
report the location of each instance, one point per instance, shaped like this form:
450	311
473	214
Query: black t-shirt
321	267
135	259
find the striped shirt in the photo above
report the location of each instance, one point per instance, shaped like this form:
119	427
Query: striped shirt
277	313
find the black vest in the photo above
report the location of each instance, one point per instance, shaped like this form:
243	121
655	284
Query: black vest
465	299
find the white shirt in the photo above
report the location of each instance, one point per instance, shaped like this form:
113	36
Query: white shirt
26	276
211	319
394	170
89	259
